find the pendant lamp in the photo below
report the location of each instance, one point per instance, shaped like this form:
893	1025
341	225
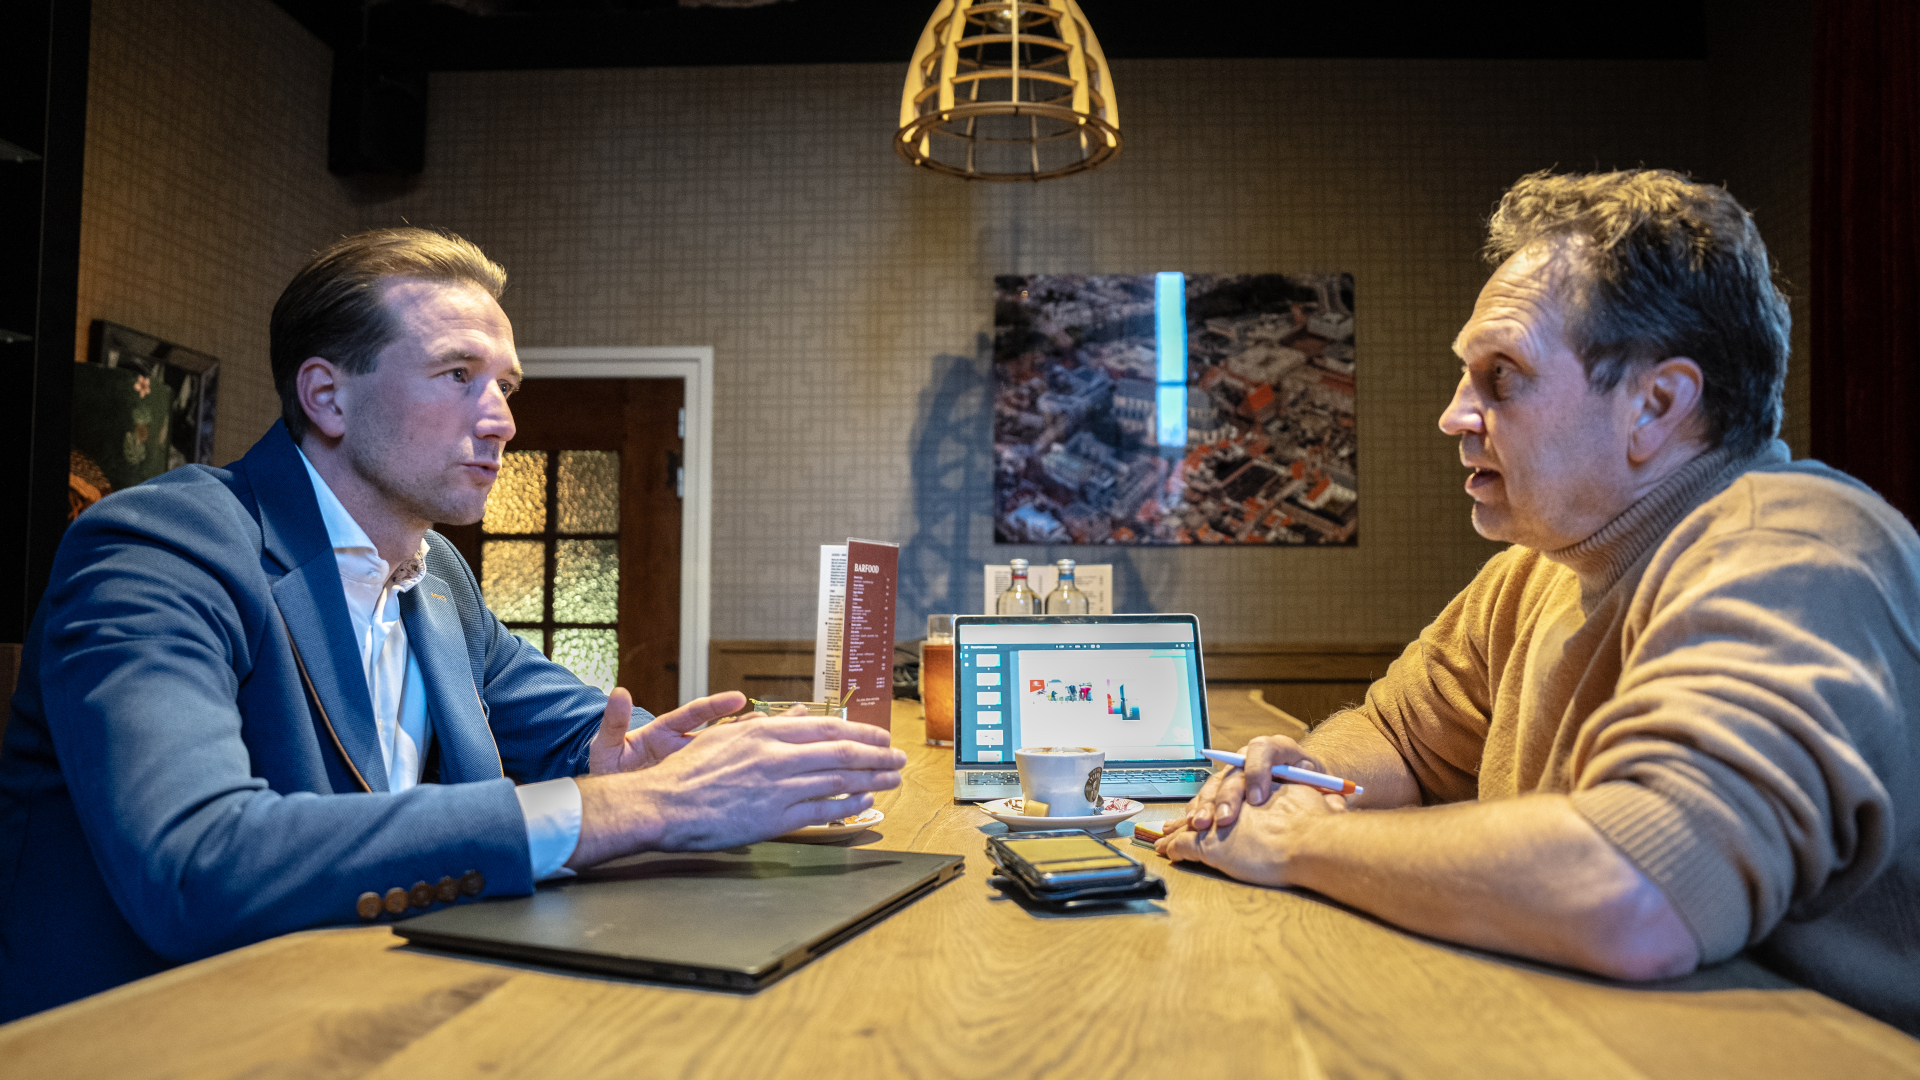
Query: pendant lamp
1008	90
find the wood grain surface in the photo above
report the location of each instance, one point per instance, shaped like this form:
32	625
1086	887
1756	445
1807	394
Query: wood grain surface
1220	979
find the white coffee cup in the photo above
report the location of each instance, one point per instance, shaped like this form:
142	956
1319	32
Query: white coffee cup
1065	778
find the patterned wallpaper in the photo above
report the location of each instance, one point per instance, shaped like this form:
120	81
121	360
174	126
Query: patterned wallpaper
206	183
846	296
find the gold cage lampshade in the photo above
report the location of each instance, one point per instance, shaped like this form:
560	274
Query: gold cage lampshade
1008	90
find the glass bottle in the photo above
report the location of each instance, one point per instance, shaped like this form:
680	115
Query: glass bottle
1019	599
1066	598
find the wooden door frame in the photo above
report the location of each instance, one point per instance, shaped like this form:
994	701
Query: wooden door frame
693	365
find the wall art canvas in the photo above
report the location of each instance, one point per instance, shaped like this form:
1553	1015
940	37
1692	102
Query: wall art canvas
141	406
1082	455
120	427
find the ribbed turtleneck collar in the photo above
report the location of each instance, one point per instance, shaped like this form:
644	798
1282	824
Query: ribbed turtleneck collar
1600	559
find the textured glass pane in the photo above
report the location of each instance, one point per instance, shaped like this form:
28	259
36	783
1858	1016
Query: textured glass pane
536	638
589	491
586	581
512	576
594	655
518	501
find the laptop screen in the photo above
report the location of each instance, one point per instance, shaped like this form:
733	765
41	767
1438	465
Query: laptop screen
1128	684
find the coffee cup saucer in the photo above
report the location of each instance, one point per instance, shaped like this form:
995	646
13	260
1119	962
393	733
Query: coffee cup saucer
1113	812
835	830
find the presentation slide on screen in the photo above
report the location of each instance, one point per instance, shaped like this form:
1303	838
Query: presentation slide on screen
1133	703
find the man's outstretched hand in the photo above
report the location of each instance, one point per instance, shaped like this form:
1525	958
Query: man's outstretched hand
617	750
661	789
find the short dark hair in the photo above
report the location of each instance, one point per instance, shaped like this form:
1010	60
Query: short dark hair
1661	266
333	307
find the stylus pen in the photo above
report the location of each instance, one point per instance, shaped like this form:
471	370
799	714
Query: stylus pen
1332	784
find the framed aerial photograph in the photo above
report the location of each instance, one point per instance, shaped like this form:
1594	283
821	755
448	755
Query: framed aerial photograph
1260	447
141	406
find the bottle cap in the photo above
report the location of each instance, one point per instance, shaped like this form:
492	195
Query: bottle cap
1018	565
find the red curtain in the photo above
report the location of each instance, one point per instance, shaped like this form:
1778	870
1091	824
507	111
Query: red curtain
1866	244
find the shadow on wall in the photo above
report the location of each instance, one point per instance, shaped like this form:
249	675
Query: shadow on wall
952	470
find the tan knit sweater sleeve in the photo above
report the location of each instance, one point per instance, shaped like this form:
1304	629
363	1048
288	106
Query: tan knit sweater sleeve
1435	702
1742	763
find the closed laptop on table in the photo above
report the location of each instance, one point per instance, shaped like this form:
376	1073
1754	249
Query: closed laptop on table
1131	685
737	919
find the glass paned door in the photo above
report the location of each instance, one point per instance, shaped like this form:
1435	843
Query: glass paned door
550	556
579	549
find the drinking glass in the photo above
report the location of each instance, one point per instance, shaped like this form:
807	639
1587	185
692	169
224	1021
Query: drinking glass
837	709
813	708
936	680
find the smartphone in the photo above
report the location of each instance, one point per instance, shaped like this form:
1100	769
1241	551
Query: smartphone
1056	860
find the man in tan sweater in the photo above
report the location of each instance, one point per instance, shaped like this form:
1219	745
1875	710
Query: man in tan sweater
1671	721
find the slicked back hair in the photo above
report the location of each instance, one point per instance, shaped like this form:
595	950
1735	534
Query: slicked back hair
333	307
1660	266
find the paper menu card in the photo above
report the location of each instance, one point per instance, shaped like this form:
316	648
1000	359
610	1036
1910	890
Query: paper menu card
830	624
873	575
1095	580
853	631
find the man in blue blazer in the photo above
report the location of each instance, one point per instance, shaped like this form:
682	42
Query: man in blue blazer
265	698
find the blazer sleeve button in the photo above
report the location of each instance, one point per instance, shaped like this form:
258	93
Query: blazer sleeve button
368	906
473	883
446	890
396	900
421	895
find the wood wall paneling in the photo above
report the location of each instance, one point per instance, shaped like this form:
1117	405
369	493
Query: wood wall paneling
768	670
1309	681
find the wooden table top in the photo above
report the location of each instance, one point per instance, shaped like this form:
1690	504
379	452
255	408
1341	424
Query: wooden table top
1220	979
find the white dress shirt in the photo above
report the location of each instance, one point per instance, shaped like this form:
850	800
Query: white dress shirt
551	808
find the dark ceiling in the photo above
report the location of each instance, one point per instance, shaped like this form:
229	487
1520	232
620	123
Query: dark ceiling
473	35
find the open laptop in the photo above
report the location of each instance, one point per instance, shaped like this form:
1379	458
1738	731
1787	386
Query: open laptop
730	920
1131	685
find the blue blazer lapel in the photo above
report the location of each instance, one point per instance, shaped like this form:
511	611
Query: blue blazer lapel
315	606
439	644
311	599
291	529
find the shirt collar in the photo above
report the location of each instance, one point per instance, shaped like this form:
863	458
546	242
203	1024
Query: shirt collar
350	541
